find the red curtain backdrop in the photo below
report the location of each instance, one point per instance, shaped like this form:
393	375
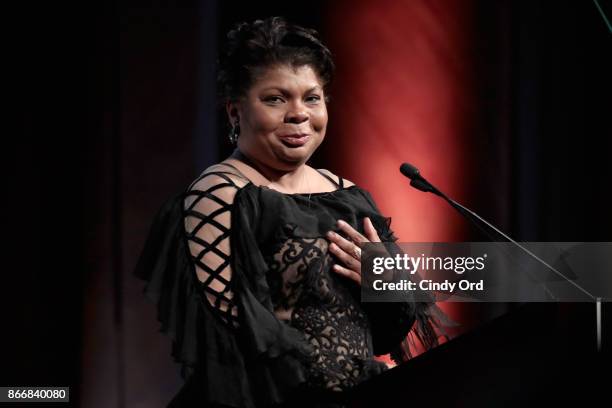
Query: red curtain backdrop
404	92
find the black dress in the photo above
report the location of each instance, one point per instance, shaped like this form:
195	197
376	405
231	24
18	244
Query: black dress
241	277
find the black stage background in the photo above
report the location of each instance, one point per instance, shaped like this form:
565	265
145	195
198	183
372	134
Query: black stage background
110	101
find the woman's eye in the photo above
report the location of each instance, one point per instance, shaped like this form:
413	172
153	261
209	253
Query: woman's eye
313	99
273	99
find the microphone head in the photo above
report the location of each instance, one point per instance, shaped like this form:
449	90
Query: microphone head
410	171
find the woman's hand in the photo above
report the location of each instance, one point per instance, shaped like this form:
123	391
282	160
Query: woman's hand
348	250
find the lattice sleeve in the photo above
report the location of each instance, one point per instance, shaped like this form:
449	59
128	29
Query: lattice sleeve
207	216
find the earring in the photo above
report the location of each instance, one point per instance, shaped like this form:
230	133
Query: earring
234	132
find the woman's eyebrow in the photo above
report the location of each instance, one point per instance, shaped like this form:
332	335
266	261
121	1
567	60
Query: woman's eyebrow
288	92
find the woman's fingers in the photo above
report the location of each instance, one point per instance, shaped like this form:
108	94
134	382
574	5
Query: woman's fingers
348	250
355	236
347	246
351	232
348	273
349	257
370	231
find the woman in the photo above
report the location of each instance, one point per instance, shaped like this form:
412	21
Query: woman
255	268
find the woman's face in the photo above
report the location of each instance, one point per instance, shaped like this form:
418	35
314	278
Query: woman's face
283	117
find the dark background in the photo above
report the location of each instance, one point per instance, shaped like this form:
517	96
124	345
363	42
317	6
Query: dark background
114	111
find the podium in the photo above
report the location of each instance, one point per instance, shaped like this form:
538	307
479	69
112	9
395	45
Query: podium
538	354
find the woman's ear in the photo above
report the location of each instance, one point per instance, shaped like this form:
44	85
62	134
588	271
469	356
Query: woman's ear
233	111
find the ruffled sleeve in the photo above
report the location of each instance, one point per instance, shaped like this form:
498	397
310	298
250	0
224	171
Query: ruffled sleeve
256	362
201	342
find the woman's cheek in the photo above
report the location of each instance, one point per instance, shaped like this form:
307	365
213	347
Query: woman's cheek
272	119
265	122
319	120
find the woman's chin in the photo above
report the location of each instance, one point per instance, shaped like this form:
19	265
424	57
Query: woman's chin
294	156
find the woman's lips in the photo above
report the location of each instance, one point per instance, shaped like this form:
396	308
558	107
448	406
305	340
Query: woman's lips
295	140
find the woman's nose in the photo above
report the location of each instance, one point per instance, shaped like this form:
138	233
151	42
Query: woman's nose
296	115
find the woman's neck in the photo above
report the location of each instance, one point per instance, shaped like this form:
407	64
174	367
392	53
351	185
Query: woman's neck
288	180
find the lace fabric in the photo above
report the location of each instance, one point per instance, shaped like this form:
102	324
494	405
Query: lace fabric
308	298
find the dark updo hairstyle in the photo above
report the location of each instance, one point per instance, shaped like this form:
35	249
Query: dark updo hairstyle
252	47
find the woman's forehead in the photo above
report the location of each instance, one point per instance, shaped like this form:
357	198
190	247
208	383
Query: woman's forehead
287	76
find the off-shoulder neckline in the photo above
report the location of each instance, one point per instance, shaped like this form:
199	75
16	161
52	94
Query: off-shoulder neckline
341	186
306	195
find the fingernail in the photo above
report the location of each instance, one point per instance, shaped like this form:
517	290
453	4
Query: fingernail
331	234
340	222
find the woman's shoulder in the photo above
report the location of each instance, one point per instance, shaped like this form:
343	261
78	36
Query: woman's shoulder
214	189
338	180
217	176
345	184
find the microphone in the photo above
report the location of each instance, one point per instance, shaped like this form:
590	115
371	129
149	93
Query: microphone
410	171
418	181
